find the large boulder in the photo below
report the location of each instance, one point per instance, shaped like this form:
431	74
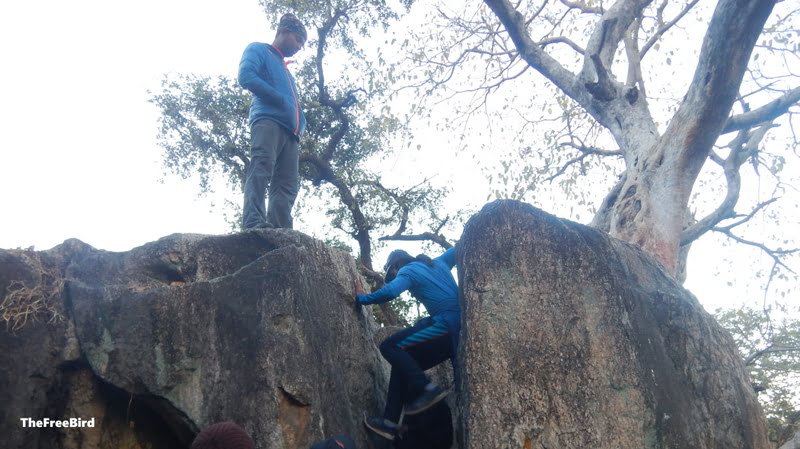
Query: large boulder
573	339
257	328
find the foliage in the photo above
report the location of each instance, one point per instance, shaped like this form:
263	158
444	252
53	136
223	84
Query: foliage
349	129
770	347
203	128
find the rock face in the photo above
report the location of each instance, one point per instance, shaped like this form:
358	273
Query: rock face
576	340
256	328
570	339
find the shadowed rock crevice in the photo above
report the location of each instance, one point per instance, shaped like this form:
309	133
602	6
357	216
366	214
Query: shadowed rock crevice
117	418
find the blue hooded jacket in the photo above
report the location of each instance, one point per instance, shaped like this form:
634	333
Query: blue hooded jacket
263	72
433	286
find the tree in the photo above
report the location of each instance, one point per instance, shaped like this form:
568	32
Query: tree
581	49
204	131
770	348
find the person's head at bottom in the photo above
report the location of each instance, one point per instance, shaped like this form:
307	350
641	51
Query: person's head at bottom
223	435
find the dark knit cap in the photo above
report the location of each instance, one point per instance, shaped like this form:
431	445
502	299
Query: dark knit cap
223	435
337	442
396	257
290	22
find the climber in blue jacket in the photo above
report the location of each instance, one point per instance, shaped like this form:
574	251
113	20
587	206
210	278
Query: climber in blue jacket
429	342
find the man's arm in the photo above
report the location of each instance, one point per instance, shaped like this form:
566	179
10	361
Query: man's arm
253	56
449	257
389	291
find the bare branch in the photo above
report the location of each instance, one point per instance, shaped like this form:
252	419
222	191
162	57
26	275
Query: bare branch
583	8
635	77
611	30
768	112
400	202
534	55
768	350
425	236
585	152
602	218
361	234
561	40
775	254
588	150
371	275
741	148
664	27
745	218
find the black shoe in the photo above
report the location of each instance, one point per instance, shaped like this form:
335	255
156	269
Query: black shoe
426	400
382	427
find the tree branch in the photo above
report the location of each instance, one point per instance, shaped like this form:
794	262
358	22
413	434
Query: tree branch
635	77
400	202
360	222
768	112
610	31
585	152
534	55
664	27
742	147
604	89
323	33
561	40
583	8
721	66
775	254
425	236
768	350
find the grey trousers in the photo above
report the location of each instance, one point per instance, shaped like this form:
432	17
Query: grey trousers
274	164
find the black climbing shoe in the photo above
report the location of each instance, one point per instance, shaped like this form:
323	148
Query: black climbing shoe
382	427
426	400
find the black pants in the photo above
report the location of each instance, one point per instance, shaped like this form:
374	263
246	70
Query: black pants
410	352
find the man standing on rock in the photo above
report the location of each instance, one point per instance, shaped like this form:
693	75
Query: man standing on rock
429	342
276	124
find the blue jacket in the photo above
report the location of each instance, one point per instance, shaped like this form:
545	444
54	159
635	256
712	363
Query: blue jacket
263	72
433	286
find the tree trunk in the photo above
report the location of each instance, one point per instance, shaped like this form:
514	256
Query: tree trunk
649	206
651	210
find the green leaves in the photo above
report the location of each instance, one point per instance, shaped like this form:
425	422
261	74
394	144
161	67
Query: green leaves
203	128
350	128
769	342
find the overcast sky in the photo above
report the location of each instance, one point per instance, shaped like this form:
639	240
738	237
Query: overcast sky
78	153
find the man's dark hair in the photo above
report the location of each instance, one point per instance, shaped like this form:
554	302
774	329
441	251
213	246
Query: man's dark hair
290	23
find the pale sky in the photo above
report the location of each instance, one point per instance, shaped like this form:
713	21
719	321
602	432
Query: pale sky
78	152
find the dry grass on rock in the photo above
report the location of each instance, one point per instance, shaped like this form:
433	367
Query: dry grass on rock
36	301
